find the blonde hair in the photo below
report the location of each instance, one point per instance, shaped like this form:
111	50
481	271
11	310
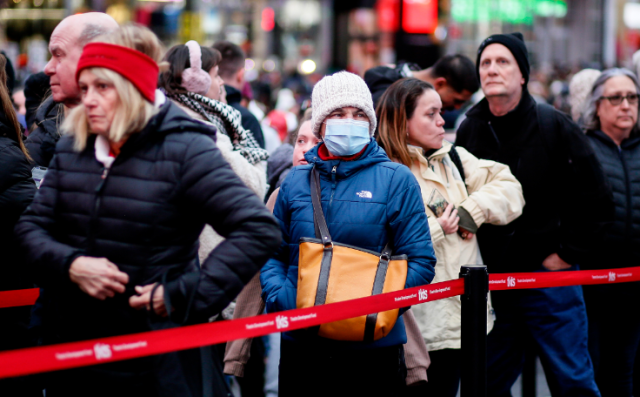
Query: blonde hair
132	111
138	37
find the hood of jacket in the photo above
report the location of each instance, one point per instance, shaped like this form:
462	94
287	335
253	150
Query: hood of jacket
373	154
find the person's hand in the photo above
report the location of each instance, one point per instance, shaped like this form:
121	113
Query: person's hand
449	220
143	299
97	277
554	262
464	233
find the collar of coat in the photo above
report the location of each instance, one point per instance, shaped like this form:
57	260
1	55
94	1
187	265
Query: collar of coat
427	162
373	154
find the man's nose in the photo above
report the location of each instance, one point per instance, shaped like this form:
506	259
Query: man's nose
49	68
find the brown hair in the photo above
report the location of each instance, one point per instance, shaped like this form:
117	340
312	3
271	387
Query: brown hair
9	111
396	107
178	59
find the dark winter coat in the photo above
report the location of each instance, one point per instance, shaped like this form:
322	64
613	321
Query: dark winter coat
16	192
366	202
278	166
249	121
568	204
36	88
145	215
41	142
621	245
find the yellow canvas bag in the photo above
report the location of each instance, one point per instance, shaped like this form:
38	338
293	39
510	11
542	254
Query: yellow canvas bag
331	272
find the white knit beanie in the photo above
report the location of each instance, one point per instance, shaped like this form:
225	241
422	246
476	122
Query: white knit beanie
340	90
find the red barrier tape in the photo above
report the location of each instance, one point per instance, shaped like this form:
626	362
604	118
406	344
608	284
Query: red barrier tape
506	281
21	297
78	354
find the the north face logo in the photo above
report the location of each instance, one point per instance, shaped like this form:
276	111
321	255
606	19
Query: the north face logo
511	282
612	276
102	351
282	322
364	194
423	294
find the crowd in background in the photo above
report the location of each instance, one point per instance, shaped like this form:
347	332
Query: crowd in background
145	188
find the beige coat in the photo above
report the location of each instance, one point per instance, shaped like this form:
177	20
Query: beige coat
494	196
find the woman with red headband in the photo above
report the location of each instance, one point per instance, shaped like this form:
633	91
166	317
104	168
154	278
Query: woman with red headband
112	235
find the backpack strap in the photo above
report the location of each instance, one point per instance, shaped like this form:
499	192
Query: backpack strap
455	157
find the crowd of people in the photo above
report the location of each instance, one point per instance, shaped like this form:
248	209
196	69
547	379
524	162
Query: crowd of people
151	192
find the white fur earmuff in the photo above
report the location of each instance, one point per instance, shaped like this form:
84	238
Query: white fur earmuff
194	79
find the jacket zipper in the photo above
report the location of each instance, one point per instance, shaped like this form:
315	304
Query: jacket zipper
627	184
93	223
333	189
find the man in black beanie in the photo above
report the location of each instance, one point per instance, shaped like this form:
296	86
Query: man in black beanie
567	206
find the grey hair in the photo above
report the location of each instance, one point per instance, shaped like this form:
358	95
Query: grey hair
90	32
591	120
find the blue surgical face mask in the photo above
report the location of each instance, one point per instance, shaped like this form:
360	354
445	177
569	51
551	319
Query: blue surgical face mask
345	137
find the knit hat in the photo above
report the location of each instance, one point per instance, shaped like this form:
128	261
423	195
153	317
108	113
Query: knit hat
138	68
342	89
515	43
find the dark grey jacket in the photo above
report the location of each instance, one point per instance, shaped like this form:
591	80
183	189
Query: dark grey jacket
621	245
41	142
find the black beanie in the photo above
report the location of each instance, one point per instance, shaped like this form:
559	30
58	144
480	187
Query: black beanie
515	43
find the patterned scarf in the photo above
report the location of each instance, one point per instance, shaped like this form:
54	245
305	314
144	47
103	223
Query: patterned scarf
228	121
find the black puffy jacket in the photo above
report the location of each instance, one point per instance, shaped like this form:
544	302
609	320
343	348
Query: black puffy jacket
16	192
145	215
41	142
621	245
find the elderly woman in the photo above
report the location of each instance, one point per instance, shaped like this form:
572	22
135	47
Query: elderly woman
611	118
112	234
460	193
368	201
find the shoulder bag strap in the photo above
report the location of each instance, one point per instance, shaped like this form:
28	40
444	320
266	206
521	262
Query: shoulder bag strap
322	232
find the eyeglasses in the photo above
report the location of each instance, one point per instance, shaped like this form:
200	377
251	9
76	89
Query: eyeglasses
616	100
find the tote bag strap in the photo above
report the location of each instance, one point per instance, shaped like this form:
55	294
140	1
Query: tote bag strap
320	223
322	232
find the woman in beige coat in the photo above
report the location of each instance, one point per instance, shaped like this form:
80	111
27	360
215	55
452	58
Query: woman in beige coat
458	200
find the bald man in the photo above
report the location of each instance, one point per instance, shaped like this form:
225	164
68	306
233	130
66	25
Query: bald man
65	45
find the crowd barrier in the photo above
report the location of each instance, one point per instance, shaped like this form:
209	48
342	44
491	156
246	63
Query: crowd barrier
474	284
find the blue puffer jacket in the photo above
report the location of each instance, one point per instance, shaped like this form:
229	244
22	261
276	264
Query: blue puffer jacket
393	209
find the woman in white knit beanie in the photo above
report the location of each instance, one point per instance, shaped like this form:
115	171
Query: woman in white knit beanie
368	201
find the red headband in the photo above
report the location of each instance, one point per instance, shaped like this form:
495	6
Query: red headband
138	68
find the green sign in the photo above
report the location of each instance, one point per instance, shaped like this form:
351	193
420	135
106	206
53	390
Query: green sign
510	11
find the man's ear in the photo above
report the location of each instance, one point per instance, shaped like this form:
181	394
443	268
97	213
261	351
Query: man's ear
239	77
439	83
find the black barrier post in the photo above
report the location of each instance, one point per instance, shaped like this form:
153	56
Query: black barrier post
474	331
